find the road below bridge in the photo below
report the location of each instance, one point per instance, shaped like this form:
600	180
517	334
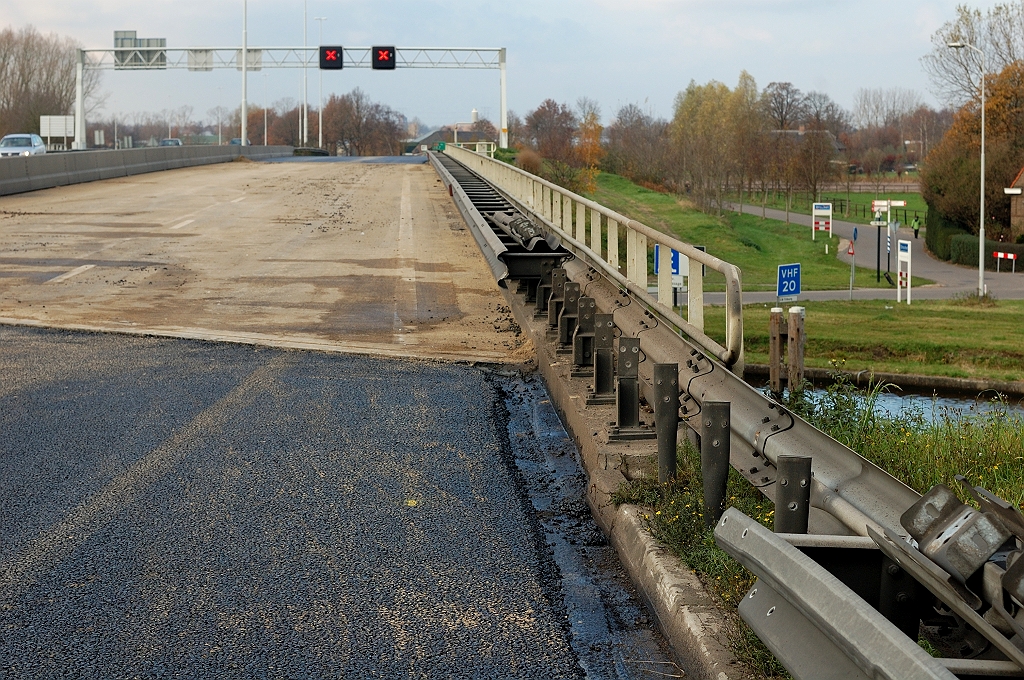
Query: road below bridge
175	507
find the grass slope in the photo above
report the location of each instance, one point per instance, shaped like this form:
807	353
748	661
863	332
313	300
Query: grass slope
755	245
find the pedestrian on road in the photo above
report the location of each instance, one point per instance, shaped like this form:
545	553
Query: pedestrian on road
916	224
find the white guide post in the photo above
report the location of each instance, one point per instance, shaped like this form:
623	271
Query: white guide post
503	103
903	273
245	74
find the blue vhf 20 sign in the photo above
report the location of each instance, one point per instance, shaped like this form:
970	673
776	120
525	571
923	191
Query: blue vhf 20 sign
788	287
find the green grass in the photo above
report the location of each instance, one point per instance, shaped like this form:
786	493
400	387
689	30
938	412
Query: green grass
754	245
929	337
858	210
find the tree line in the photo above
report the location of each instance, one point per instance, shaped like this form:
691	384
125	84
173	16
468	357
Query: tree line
744	140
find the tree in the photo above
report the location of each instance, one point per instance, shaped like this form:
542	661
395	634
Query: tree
954	73
356	126
37	78
703	142
821	113
550	128
589	152
784	104
950	180
638	147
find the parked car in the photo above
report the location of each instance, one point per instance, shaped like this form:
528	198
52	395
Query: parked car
22	145
237	141
172	141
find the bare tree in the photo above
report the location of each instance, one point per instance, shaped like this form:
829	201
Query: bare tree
638	147
882	107
784	104
37	78
999	33
551	128
821	113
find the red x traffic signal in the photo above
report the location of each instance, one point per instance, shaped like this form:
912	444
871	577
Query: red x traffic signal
331	57
383	58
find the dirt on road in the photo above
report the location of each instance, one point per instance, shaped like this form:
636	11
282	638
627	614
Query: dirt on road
369	258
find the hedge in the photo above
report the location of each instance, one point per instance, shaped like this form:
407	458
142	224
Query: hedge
963	249
939	233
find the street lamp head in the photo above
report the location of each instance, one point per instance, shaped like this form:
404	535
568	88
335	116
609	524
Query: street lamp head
1013	191
956	44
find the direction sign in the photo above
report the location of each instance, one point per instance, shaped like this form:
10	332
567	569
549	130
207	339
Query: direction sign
788	286
878	223
676	271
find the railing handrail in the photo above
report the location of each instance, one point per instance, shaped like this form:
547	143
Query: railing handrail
731	353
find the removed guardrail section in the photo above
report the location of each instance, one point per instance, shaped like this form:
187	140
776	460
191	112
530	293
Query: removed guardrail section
592	231
30	173
881	564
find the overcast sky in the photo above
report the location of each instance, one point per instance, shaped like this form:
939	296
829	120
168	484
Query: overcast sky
614	51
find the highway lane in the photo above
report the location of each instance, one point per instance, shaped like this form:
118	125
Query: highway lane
191	509
357	257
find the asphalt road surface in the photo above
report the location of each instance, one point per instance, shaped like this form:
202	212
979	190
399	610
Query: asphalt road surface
175	508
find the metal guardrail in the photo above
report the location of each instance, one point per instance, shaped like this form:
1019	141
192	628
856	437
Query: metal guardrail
592	232
883	563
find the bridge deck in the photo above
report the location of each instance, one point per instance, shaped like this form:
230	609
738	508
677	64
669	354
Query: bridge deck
362	257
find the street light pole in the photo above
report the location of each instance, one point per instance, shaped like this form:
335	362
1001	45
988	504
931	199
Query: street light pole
245	73
305	97
320	108
957	45
264	108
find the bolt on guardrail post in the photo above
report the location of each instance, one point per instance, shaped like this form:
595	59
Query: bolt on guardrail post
568	317
583	339
776	338
557	297
714	458
627	389
792	494
666	418
796	341
604	361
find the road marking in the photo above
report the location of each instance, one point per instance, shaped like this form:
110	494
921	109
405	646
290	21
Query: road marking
407	252
240	198
74	272
182	224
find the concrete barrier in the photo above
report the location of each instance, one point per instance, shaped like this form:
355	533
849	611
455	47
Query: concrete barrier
30	173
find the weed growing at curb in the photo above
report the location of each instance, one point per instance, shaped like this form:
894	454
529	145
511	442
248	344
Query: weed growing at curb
673	514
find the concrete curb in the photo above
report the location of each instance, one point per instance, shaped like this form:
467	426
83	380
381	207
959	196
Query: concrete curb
31	173
688	617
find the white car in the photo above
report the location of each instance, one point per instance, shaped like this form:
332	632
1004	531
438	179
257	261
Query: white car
21	145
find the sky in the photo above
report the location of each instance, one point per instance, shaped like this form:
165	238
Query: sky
616	52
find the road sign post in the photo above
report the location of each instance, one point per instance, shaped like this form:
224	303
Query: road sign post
821	219
903	275
787	288
853	260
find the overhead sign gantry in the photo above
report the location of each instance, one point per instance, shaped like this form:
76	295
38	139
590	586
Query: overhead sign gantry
130	54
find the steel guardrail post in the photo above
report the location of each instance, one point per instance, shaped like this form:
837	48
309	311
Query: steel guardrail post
568	317
715	447
604	360
583	339
557	297
627	388
792	494
666	419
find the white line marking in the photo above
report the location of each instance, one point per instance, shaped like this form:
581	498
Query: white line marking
407	252
74	272
240	198
182	224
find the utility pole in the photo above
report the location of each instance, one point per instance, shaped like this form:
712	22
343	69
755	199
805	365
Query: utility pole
320	108
305	97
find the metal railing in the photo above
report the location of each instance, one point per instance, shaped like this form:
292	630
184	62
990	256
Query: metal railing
593	233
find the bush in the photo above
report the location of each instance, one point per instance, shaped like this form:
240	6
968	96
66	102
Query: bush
530	161
939	232
963	249
505	155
